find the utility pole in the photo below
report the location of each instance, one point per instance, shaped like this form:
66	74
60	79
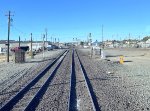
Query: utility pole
87	39
31	47
89	43
113	41
9	20
90	39
58	41
102	37
43	45
139	38
51	39
129	39
19	41
55	40
46	34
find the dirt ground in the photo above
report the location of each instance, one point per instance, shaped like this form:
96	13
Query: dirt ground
130	55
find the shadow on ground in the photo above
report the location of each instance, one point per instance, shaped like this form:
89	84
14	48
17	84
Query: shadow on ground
37	61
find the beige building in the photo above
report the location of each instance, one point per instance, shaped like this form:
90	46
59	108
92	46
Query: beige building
13	44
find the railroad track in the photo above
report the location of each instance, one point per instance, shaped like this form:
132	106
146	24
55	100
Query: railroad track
24	99
56	96
14	85
65	87
73	104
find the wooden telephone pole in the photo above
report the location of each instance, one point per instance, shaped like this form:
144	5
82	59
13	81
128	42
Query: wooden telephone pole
102	37
19	41
46	34
9	20
43	45
31	48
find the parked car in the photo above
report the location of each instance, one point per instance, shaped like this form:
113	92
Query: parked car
49	47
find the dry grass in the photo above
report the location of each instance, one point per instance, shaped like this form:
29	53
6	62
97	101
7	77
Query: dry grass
3	58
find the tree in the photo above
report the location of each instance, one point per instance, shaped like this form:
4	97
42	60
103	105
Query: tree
81	43
146	38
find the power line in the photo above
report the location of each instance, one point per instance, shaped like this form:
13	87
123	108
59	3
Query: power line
20	31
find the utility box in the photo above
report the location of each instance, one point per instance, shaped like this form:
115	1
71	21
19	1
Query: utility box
20	53
19	56
97	52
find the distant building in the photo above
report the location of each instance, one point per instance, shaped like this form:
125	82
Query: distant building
96	43
3	45
148	41
35	45
144	44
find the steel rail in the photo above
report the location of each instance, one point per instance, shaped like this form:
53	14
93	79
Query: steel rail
72	104
36	99
92	95
12	102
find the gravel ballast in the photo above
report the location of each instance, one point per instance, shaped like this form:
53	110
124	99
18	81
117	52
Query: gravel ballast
83	99
57	95
119	87
20	81
11	70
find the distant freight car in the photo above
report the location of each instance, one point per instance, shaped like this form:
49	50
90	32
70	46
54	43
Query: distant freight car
24	48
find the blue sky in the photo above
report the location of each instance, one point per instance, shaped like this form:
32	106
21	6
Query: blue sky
68	19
